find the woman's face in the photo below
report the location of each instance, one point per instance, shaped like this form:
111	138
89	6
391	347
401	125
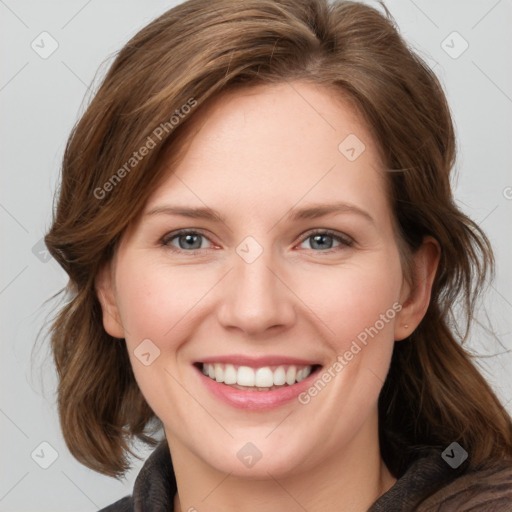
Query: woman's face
300	281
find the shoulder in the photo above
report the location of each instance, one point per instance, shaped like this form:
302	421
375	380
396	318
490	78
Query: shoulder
429	484
123	505
484	489
154	487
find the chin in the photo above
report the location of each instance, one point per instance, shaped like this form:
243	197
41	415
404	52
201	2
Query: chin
256	456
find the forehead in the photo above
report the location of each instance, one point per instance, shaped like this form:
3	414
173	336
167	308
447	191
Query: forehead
276	144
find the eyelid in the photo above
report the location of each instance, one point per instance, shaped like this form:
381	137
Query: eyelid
344	239
166	239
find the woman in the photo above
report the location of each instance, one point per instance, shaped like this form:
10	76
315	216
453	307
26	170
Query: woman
263	251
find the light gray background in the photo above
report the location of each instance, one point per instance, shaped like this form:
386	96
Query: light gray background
40	101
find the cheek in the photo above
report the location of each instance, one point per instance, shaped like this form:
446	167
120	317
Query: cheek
367	304
354	299
154	299
156	303
360	307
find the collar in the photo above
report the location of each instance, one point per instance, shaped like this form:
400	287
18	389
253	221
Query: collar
155	486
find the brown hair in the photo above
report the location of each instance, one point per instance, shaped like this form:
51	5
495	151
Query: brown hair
433	394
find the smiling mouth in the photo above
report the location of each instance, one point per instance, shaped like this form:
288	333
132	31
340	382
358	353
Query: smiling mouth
265	378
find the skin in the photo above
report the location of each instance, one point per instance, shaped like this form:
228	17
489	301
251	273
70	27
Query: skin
255	156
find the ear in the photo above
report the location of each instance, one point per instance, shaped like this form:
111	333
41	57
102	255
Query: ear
415	296
105	291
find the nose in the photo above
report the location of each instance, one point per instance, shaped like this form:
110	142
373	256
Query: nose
255	298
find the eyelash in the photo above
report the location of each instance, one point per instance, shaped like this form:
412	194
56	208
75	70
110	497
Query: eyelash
345	241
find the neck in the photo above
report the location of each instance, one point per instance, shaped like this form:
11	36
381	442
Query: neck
349	480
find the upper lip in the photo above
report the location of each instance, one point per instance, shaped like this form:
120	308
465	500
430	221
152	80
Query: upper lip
257	362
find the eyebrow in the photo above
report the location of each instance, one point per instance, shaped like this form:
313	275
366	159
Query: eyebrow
311	212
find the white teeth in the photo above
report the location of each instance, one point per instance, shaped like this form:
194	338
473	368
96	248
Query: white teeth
229	374
302	374
219	373
262	378
245	376
280	376
290	375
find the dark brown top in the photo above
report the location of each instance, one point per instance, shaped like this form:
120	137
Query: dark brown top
428	485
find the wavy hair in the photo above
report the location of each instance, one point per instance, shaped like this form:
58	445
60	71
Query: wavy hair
433	393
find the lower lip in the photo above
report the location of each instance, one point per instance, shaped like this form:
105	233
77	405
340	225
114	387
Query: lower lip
256	400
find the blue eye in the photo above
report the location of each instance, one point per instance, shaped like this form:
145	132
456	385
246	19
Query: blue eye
323	240
188	241
192	241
